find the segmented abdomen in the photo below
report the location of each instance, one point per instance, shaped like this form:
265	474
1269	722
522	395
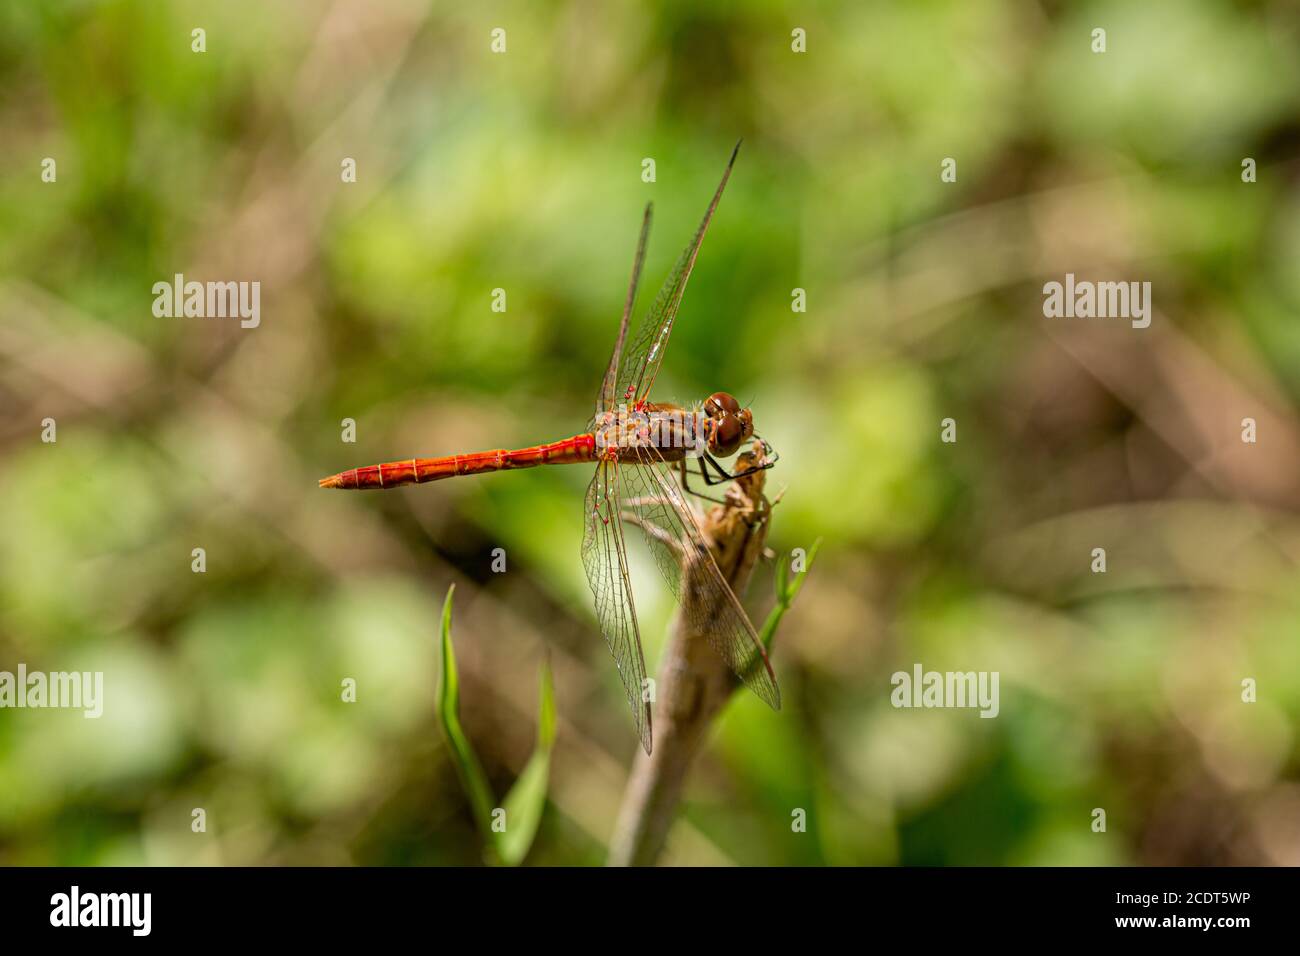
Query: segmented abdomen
419	470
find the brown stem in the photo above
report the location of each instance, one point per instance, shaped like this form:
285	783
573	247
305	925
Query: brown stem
694	685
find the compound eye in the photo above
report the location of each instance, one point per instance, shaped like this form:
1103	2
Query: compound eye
723	401
746	423
727	435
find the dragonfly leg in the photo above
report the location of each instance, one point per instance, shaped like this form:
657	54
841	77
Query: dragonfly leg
686	484
723	475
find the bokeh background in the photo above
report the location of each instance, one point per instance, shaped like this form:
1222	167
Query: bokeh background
522	171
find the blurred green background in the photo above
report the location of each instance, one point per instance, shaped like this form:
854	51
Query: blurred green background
522	171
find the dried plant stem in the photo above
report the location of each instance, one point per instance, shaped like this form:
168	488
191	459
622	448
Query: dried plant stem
694	685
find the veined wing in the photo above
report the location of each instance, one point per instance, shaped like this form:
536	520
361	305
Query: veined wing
641	362
709	605
606	399
604	554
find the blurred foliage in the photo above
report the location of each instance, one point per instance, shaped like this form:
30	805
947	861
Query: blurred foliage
522	171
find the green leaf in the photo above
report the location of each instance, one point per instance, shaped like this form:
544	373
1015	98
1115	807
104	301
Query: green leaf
798	581
467	763
782	576
786	591
527	798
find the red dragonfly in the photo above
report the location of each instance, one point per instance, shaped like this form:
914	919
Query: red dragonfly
633	441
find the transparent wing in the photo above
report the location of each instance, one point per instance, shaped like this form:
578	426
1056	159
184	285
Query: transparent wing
652	495
604	555
605	400
640	364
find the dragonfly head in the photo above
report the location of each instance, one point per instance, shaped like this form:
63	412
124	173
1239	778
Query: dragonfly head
726	426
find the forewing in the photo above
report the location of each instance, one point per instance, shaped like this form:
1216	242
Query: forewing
640	364
604	555
605	400
710	606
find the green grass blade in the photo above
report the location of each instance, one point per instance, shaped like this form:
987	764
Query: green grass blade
798	581
467	764
786	590
527	798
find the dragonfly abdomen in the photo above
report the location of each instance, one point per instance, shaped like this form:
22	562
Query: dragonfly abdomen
419	470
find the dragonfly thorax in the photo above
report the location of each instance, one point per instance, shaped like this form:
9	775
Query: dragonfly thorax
630	433
720	426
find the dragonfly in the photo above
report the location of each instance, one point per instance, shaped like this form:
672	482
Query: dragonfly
640	449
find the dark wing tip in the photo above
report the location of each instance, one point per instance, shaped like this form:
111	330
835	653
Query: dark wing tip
761	680
765	687
775	702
